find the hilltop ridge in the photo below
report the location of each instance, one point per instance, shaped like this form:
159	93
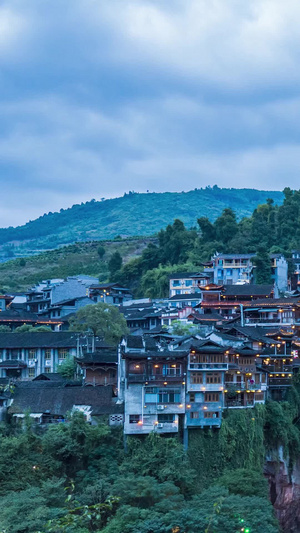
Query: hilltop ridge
133	214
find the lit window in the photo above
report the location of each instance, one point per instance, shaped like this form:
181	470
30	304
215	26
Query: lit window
47	354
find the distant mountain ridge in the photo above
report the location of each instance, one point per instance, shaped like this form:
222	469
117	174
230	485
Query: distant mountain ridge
132	214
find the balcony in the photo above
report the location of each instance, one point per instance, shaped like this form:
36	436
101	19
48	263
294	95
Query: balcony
251	321
203	422
231	386
238	403
280	382
157	378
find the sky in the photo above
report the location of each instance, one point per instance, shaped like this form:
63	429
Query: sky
99	97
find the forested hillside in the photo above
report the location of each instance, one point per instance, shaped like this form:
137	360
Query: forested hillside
132	214
91	258
144	264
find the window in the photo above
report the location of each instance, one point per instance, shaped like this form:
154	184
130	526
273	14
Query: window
188	283
63	353
47	354
259	396
165	419
205	358
134	419
176	282
228	378
209	414
172	369
196	378
31	372
32	354
169	395
213	377
192	396
211	397
47	370
136	368
194	414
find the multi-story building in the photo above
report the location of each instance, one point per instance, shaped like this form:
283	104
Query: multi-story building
187	282
110	293
25	355
207	365
152	386
55	293
283	312
231	269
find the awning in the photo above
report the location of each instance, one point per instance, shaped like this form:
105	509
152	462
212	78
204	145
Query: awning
268	310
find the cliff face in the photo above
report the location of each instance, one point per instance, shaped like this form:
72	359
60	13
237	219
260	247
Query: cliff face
284	484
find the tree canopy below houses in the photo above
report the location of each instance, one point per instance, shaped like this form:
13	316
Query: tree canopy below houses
76	478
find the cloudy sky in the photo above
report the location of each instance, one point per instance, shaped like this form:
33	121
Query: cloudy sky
99	97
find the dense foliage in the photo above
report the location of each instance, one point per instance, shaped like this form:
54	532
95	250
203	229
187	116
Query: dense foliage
102	320
270	229
76	478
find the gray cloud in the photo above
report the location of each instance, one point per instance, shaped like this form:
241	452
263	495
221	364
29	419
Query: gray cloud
99	97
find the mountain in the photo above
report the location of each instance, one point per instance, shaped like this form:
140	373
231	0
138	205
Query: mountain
130	215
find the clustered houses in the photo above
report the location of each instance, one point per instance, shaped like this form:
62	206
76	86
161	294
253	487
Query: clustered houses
153	382
242	347
170	389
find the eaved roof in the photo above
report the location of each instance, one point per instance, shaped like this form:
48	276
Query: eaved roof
248	289
38	397
42	339
274	302
191	296
100	357
183	275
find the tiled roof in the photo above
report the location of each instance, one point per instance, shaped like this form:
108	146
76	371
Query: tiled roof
248	290
103	356
38	397
51	339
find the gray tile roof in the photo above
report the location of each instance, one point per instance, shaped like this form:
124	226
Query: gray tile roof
39	397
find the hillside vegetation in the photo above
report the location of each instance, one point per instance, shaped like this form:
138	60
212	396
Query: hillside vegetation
78	258
133	214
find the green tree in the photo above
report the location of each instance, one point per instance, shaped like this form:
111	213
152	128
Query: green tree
262	262
100	319
67	368
114	264
4	329
101	251
28	328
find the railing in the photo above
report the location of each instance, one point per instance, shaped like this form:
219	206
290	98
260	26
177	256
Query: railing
280	382
278	369
138	378
229	385
239	403
262	320
208	366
